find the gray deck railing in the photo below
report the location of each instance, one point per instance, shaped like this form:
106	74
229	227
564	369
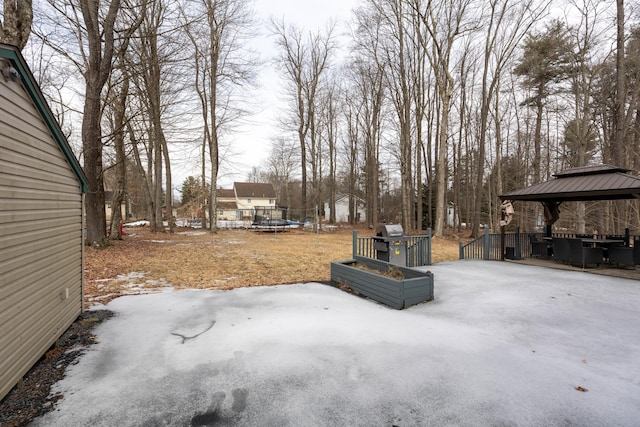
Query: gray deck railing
418	248
488	246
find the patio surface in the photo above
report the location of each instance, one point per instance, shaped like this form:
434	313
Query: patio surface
603	269
502	344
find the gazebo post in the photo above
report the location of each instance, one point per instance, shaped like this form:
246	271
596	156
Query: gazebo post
627	237
502	242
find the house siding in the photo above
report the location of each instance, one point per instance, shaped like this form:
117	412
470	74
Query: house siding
40	236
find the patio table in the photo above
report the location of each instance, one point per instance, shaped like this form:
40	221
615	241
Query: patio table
605	244
602	242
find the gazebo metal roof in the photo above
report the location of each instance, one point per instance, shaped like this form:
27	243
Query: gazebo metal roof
601	182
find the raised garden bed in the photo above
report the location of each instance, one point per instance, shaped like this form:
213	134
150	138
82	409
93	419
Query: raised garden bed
375	279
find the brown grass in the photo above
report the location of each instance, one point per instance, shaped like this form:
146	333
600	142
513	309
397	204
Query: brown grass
226	260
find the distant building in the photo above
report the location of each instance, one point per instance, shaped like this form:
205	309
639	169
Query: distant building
108	209
226	205
342	209
244	200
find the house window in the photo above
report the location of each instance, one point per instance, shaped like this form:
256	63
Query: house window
248	200
271	201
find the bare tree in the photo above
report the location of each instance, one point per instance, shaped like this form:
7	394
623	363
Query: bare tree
620	86
367	98
151	63
305	60
280	166
398	79
97	68
444	22
118	94
218	30
506	24
330	104
352	112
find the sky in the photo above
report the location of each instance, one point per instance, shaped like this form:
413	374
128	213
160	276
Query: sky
501	344
252	142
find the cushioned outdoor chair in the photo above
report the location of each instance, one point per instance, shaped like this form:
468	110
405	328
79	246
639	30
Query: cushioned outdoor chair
538	247
582	256
561	252
625	255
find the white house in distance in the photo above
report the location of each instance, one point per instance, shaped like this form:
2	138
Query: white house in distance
342	209
241	202
226	205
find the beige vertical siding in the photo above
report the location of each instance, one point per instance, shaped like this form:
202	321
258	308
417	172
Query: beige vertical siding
40	237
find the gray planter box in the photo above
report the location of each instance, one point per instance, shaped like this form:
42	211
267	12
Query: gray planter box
416	287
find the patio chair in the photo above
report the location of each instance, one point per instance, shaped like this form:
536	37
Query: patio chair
538	247
607	246
561	252
625	255
582	256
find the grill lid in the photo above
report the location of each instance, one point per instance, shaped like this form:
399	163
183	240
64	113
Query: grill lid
389	230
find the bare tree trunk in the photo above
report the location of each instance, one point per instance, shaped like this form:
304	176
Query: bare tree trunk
119	192
151	75
148	184
16	28
215	27
119	127
158	223
442	35
100	39
331	136
305	61
169	190
621	93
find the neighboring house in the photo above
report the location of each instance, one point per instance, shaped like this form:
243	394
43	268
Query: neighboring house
41	211
226	205
247	197
108	198
342	209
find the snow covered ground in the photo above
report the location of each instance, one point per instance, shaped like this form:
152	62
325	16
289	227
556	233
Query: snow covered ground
501	344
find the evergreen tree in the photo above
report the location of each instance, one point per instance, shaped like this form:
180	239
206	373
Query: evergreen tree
545	63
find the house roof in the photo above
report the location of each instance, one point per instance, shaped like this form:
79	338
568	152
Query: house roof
254	189
227	206
601	182
225	193
12	53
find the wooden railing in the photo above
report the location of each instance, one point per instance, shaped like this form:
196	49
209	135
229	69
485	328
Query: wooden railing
488	246
418	248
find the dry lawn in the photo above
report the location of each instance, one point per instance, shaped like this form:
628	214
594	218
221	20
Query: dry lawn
145	261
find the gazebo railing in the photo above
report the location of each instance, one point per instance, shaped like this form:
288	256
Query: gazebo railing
487	246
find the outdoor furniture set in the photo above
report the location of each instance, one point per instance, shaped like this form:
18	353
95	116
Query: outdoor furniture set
586	250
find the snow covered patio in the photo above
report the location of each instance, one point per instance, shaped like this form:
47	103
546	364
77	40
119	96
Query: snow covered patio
501	344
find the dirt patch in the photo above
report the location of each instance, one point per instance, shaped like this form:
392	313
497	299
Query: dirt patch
392	273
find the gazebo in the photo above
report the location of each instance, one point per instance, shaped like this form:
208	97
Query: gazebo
588	183
601	182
